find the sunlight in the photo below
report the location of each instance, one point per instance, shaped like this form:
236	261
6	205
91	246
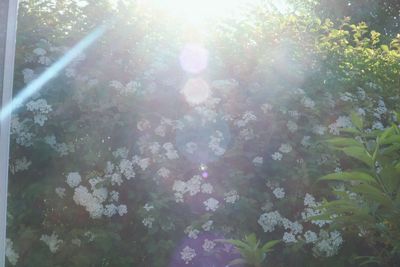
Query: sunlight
197	12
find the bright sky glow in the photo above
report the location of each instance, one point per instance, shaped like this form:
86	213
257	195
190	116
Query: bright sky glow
199	11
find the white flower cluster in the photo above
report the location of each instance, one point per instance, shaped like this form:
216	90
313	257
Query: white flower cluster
28	74
292	126
312	210
21	131
40	109
215	143
171	153
247	117
188	254
73	179
270	220
211	204
11	254
258	160
231	196
327	244
208	245
62	149
208	225
51	241
341	122
21	164
192	232
94	201
277	156
308	102
279	192
127	89
193	186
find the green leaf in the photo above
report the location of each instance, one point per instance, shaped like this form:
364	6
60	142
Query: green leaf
237	262
343	142
267	246
360	154
357	120
349	176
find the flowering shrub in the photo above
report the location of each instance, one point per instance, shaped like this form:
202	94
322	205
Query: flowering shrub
155	142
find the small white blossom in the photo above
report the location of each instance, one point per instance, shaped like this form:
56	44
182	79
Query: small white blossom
276	156
187	254
11	254
73	179
231	196
208	245
285	148
51	241
60	191
211	204
279	192
289	238
258	161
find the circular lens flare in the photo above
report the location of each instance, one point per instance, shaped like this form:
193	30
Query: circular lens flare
193	58
196	91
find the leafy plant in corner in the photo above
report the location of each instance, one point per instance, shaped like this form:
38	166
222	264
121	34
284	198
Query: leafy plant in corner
251	251
368	205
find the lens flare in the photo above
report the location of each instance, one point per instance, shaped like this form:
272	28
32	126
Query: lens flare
193	58
196	91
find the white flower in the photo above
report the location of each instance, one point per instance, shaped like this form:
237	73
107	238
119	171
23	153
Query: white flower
208	245
310	237
279	192
148	207
308	102
207	225
39	108
122	209
60	191
39	51
258	161
231	196
148	222
187	254
276	156
73	179
207	188
266	108
142	125
269	220
114	196
193	186
289	238
164	172
328	243
211	204
21	165
292	126
51	241
11	254
171	152
126	168
285	148
110	210
214	143
28	75
121	152
378	126
191	232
